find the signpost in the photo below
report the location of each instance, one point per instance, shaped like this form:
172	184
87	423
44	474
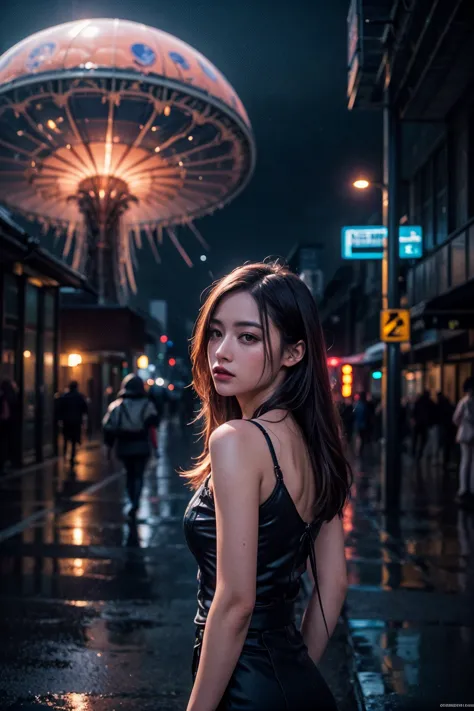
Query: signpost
395	325
367	242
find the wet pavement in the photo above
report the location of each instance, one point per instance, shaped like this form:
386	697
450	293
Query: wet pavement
410	606
96	615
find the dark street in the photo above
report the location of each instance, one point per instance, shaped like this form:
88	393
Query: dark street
98	615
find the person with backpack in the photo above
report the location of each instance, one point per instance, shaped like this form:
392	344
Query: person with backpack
463	418
127	424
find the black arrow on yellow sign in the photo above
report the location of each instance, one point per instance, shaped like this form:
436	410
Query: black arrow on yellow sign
395	325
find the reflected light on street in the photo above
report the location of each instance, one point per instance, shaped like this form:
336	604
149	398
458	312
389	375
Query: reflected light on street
78	702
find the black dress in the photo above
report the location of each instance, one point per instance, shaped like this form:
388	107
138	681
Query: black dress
274	671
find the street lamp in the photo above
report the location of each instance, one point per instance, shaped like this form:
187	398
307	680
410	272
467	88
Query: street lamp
364	184
361	184
391	480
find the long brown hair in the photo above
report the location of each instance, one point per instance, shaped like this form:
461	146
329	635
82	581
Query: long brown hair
305	393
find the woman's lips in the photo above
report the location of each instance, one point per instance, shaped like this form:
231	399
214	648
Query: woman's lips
222	375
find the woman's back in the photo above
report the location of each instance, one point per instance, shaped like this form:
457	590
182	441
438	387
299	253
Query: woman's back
274	670
292	454
286	525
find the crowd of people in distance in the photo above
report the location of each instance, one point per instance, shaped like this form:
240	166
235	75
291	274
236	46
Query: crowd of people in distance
429	429
130	425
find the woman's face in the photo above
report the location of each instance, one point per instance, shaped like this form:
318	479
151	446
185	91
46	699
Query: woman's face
235	348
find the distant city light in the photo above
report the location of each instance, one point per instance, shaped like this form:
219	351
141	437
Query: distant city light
26	354
377	375
203	258
172	362
160	382
170	344
167	110
142	362
163	339
74	359
333	362
171	387
150	382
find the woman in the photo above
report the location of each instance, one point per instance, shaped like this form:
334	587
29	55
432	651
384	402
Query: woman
463	418
270	488
127	425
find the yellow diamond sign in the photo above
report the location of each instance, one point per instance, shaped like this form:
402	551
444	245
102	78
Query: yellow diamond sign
395	325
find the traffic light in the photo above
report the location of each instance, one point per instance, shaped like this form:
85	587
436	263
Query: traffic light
347	380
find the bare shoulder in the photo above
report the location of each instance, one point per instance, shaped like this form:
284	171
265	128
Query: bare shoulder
235	435
236	445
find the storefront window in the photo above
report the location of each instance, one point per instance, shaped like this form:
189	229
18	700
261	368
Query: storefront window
471	253
29	369
430	278
441	188
29	391
11	292
48	375
10	331
458	260
10	345
442	269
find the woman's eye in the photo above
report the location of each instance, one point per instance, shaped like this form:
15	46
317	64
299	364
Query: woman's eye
214	333
248	338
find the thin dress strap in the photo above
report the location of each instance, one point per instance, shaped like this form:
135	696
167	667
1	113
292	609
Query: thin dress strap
309	540
307	535
276	466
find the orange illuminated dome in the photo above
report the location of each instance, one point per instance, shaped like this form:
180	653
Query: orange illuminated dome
110	131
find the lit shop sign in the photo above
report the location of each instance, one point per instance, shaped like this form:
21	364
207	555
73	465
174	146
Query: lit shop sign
367	242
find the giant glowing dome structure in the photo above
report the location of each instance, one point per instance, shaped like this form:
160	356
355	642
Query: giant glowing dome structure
112	132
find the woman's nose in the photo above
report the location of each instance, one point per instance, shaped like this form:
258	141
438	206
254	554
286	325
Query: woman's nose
223	350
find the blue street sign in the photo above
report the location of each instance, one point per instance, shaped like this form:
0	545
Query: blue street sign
366	242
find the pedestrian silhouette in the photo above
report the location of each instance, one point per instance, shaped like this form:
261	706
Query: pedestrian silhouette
71	410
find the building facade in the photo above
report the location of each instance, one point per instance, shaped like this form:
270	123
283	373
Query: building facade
30	279
99	345
431	76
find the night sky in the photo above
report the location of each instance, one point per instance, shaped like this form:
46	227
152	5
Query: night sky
287	62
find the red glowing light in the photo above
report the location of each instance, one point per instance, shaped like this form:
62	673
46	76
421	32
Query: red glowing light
333	362
164	339
171	387
172	362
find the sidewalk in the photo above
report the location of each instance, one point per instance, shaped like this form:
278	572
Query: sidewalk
410	606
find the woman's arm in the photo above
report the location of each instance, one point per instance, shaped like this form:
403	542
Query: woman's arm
332	580
236	484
